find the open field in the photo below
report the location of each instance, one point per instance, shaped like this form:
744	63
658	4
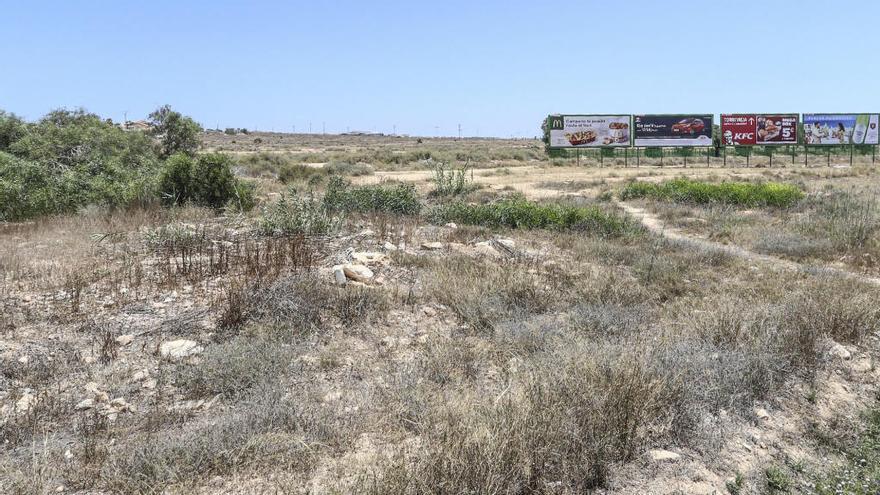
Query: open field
521	325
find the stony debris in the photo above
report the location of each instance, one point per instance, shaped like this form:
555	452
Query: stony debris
660	455
25	402
24	359
485	248
451	225
181	348
840	352
368	258
124	340
339	275
432	246
140	376
762	413
358	273
389	246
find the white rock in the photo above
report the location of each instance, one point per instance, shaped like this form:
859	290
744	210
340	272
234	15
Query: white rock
432	246
85	404
149	384
24	359
358	273
181	348
660	455
68	455
124	339
451	225
840	352
762	413
368	258
388	246
140	376
485	248
367	233
339	275
25	403
509	244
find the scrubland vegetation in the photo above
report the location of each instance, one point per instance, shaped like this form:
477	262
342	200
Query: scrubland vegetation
355	334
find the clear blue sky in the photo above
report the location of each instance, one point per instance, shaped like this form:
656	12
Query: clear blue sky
497	68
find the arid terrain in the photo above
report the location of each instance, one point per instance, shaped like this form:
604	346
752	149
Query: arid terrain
404	315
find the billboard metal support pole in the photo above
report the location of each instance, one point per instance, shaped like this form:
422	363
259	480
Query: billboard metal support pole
749	158
873	153
661	157
601	157
638	158
578	152
685	160
829	157
852	148
707	157
626	157
771	158
793	148
725	157
806	155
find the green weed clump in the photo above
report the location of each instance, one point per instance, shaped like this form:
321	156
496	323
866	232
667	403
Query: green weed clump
401	199
451	181
731	193
518	213
299	215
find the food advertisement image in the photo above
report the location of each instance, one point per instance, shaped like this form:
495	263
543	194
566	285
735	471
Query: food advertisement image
841	128
672	130
761	129
589	131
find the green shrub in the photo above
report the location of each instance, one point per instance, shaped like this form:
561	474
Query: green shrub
733	193
175	179
399	198
12	129
450	181
518	213
206	180
71	159
298	215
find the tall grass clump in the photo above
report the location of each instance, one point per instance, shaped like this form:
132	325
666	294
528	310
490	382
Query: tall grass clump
401	199
732	193
450	181
518	213
293	214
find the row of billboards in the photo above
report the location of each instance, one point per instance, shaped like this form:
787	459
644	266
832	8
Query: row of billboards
593	131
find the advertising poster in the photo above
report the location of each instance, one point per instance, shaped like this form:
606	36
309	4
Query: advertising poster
589	131
759	129
841	128
672	130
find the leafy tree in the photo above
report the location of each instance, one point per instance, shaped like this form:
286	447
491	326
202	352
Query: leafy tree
175	182
12	129
177	133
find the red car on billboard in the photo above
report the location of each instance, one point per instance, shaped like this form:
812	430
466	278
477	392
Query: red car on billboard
689	126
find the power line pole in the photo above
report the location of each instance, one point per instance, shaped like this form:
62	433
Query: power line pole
310	127
459	132
324	128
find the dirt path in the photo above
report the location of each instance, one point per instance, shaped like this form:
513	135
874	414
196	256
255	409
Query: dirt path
655	225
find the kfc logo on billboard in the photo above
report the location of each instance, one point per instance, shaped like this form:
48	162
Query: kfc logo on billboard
752	129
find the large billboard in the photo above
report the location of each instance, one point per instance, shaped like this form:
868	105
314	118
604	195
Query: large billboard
759	128
589	131
841	128
672	130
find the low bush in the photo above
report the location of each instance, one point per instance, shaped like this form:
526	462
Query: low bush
206	180
399	198
293	214
518	213
451	181
733	193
